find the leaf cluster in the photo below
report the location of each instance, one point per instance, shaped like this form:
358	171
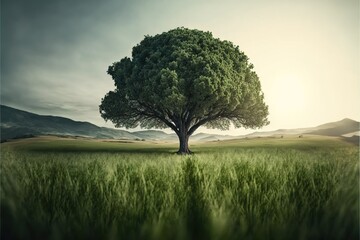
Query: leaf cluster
183	79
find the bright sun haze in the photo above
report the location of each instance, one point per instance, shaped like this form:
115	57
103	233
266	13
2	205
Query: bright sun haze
288	95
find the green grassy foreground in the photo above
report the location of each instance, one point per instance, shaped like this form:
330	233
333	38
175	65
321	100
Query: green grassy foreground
249	189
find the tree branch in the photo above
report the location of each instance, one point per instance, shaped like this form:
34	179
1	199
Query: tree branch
203	121
155	114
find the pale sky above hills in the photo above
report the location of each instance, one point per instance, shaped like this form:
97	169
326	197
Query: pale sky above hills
54	54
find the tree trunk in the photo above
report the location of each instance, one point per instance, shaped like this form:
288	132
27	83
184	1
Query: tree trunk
184	143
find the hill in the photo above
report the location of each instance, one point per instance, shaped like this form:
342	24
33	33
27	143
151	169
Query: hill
155	135
19	124
280	132
343	127
211	137
346	128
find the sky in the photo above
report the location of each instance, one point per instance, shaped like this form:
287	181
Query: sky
55	53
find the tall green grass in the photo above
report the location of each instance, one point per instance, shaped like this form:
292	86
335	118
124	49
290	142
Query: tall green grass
237	193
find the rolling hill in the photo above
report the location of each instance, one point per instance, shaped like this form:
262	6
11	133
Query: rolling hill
18	124
346	127
340	128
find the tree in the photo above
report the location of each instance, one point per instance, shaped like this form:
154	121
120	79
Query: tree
183	79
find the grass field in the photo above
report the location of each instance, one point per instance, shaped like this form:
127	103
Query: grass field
53	188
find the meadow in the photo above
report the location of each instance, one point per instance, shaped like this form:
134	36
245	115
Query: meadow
295	188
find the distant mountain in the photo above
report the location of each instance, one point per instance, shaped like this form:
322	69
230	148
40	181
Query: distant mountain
343	127
210	137
18	124
280	132
155	135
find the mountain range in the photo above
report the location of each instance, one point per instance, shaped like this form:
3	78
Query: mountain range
16	123
345	127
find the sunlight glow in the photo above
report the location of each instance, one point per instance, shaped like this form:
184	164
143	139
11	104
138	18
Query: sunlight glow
289	94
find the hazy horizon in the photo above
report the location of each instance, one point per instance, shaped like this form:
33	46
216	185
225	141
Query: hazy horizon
54	54
244	132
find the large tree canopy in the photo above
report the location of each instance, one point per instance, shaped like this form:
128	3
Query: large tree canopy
183	79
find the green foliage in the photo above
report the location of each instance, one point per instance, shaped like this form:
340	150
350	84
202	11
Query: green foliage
253	192
183	79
